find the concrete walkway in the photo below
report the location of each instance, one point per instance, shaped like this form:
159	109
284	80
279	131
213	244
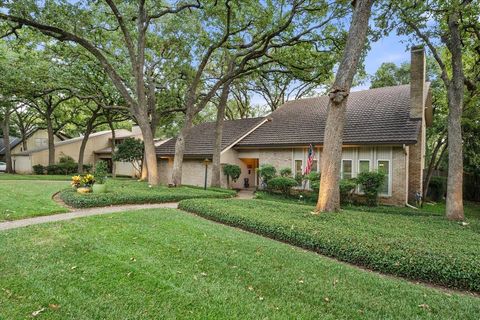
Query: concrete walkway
245	194
82	213
242	194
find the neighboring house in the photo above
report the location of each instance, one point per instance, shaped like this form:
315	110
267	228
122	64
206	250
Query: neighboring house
384	130
36	138
13	141
97	144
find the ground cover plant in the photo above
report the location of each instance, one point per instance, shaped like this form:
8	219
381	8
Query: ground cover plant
154	264
134	192
420	246
23	199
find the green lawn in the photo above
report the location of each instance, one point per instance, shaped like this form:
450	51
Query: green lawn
418	245
132	192
8	176
21	199
155	264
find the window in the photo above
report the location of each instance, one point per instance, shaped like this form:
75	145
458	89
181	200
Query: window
298	167
346	169
384	166
40	142
363	166
314	166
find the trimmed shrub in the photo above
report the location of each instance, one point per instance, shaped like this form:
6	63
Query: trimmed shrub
87	168
101	171
371	182
282	184
232	171
314	178
347	188
267	172
286	172
38	169
299	178
66	159
138	193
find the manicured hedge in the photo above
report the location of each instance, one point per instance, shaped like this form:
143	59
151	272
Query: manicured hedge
133	192
424	247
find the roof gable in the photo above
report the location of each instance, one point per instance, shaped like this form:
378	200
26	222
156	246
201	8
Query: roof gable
200	140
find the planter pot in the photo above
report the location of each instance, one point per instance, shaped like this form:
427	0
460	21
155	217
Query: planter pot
99	188
84	190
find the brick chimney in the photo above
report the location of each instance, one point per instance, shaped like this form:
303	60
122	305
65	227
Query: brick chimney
417	82
416	153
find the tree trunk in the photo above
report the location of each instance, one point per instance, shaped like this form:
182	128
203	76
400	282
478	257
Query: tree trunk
329	193
431	166
454	207
144	169
6	142
112	146
150	154
81	152
51	141
180	150
217	149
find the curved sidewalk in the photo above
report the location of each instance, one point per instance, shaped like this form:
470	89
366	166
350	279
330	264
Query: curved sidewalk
82	213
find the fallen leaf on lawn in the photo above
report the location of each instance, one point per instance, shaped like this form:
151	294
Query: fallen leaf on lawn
260	298
335	281
129	274
73	268
424	306
8	292
36	313
54	306
203	274
133	259
327	299
250	288
300	281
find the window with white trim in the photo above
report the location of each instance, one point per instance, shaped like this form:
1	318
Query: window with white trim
298	168
384	166
346	169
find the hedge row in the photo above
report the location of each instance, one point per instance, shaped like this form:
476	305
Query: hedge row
421	248
132	196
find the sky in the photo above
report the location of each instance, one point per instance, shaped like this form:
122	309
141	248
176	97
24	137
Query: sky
387	49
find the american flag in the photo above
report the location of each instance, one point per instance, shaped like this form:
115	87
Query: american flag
311	155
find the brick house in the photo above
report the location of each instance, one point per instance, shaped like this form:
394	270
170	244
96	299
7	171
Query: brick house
385	130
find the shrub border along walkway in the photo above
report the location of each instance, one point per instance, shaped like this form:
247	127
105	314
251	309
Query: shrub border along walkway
304	241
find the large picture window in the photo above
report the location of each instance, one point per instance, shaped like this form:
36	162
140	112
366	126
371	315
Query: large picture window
384	166
298	167
346	169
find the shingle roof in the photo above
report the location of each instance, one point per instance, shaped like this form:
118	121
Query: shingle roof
13	142
200	140
375	116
